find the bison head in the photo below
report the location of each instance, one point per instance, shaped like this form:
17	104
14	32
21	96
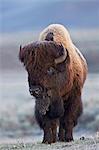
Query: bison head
45	63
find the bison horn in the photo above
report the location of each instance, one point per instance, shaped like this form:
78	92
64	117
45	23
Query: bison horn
62	57
20	54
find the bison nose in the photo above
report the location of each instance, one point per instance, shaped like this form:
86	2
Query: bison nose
31	91
35	90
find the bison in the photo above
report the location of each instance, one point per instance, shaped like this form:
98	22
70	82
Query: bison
56	74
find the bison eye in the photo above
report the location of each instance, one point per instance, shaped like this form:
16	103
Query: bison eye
51	71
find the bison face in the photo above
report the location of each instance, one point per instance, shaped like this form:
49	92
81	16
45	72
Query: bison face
45	63
46	67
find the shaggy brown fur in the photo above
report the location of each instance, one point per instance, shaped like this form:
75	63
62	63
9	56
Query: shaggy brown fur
57	87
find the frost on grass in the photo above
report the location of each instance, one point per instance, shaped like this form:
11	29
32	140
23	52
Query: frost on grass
91	143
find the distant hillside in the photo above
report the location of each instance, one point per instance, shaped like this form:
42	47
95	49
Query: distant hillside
87	41
32	15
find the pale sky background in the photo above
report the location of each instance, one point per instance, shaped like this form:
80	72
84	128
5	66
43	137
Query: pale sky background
27	15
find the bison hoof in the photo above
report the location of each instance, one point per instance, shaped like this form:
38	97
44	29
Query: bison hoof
67	139
61	139
46	142
49	141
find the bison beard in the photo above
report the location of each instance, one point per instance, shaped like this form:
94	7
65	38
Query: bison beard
57	92
46	103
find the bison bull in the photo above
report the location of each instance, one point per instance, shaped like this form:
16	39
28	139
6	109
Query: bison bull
56	74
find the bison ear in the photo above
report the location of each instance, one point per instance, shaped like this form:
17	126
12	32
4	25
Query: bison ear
21	54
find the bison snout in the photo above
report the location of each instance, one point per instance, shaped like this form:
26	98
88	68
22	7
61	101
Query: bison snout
36	91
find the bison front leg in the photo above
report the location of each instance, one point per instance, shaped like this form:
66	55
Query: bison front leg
72	111
65	129
48	125
69	131
54	129
50	132
47	135
61	134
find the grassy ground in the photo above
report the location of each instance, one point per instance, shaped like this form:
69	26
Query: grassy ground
91	143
